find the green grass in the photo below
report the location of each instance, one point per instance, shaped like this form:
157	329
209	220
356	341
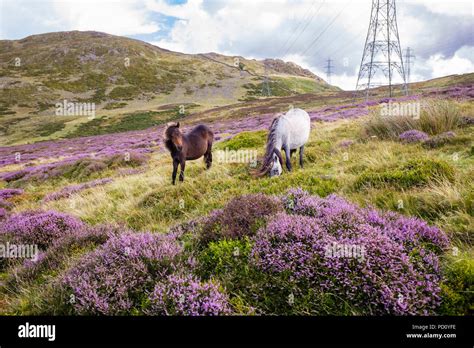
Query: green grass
129	122
458	289
49	128
115	105
124	93
86	82
244	140
416	172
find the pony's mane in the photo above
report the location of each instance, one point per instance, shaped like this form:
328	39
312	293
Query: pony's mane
167	136
270	147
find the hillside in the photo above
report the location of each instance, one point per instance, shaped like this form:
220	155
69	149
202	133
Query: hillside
123	76
251	243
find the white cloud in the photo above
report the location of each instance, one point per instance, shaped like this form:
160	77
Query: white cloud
199	31
344	81
194	32
450	7
19	18
441	66
114	17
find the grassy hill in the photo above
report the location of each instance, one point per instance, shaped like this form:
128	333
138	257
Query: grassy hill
124	78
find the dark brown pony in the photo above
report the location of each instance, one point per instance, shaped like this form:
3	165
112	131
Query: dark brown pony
188	146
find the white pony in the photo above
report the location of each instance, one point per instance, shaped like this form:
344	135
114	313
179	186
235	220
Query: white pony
288	132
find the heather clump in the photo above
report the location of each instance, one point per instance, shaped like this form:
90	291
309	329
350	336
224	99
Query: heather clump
379	264
8	193
330	256
114	278
87	166
35	231
413	136
55	257
180	294
333	211
242	216
42	228
5	204
78	168
445	138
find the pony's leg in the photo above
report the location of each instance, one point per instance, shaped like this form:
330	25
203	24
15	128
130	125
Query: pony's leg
301	156
181	173
209	161
288	158
175	170
292	152
208	156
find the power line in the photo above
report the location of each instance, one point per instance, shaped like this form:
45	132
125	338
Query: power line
325	29
331	42
296	27
304	29
349	43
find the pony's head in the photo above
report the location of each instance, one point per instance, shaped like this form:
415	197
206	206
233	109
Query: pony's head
173	137
275	168
271	164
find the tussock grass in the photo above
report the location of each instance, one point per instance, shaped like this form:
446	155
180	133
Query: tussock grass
436	116
439	116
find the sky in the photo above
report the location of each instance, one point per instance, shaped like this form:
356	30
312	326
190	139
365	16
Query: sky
440	33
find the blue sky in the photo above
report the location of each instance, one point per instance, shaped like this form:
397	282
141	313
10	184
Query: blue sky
306	32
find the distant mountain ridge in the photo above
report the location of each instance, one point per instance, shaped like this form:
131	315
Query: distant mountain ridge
99	67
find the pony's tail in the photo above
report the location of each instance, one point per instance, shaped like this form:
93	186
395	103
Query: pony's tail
269	151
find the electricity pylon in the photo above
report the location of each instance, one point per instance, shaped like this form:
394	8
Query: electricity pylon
329	70
408	56
266	91
382	56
